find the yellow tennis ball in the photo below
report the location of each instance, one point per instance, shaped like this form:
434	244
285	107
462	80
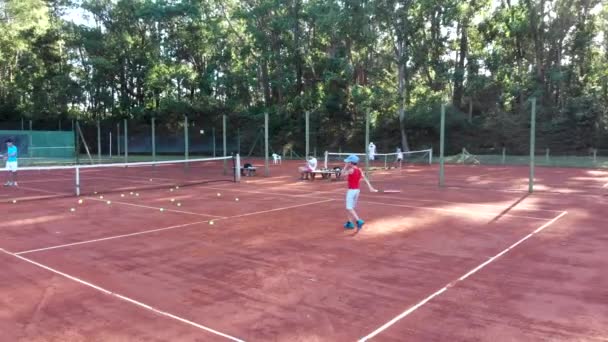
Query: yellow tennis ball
150	179
179	204
211	223
162	209
131	193
218	194
173	200
122	195
14	201
137	194
171	189
236	199
100	197
177	187
72	209
109	202
79	201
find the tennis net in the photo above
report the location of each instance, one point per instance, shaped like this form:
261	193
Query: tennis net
383	160
62	181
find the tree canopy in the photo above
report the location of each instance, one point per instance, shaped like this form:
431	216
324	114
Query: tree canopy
398	59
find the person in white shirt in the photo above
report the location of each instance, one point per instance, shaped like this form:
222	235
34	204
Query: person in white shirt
311	165
372	151
399	159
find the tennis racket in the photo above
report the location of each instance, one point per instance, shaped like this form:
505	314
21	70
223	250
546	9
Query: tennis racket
372	189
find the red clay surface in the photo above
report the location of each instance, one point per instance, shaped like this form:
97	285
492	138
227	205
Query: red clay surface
276	265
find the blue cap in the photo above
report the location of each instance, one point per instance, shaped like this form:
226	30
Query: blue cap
352	159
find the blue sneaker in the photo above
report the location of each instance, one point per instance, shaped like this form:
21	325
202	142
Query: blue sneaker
349	225
360	224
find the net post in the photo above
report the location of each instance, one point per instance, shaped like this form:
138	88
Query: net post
118	139
326	159
442	147
431	156
77	144
532	145
186	139
30	150
237	168
224	142
238	140
153	136
77	180
547	158
504	155
307	119
98	141
367	119
126	137
213	142
266	163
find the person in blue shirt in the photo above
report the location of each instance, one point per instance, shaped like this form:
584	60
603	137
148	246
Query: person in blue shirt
11	163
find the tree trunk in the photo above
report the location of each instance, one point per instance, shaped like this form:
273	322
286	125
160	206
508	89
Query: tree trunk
459	73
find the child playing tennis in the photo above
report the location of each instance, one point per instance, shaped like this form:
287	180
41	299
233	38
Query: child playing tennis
354	174
11	163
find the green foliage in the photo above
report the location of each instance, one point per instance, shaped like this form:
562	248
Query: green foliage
337	59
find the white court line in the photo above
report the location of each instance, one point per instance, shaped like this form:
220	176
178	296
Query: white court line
57	193
455	210
605	185
453	283
111	237
167	228
155	208
318	194
124	298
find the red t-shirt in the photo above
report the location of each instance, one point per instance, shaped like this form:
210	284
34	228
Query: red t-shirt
354	178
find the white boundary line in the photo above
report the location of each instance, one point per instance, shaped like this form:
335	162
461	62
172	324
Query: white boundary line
453	283
155	208
318	194
166	228
605	185
111	237
456	211
124	298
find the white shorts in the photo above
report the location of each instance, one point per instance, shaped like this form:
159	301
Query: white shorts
11	166
352	195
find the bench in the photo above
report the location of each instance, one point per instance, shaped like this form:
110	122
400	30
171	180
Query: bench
325	174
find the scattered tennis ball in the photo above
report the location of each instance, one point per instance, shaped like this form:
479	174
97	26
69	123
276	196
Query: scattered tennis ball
72	209
131	193
100	197
211	223
109	202
236	199
179	204
95	193
137	194
79	201
162	209
122	195
150	179
219	195
173	200
171	189
14	201
177	187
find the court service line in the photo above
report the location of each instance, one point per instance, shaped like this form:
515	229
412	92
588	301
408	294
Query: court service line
166	228
124	298
455	210
112	237
321	193
455	282
155	208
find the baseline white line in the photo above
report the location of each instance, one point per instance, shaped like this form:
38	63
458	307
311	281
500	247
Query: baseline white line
155	208
453	283
455	210
605	185
124	298
166	228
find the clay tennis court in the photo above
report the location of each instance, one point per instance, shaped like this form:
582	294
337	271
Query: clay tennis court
477	260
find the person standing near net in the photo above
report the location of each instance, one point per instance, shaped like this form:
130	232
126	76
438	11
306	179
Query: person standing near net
371	150
399	158
354	175
11	163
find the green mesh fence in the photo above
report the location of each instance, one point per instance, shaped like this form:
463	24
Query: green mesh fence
41	145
